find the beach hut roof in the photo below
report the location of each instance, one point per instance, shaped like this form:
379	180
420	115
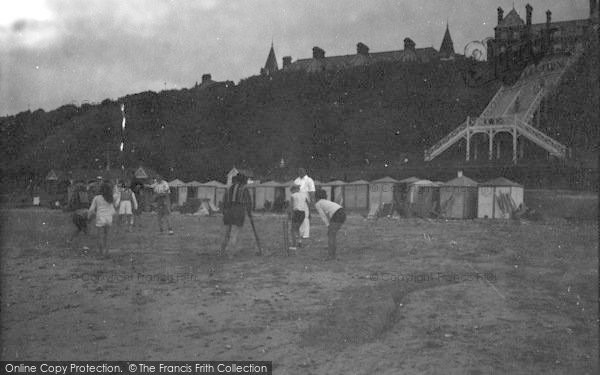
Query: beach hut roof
142	173
461	181
214	183
54	175
410	180
423	183
270	184
177	183
359	182
385	179
245	172
501	181
194	184
335	183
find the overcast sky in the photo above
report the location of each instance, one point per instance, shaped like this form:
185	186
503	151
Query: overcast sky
55	52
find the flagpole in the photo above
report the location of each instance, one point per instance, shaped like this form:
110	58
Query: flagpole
122	145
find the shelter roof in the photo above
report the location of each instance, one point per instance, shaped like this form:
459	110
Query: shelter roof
500	181
461	181
194	184
359	182
214	183
143	172
270	184
245	172
335	183
177	183
423	183
54	175
409	180
385	179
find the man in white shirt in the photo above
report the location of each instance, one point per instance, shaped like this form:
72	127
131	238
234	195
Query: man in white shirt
307	186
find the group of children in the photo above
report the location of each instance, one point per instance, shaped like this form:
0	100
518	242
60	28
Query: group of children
238	203
107	203
332	214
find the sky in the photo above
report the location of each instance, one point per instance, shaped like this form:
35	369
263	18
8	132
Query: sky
57	52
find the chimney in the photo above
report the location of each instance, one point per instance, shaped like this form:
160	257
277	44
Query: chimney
206	78
287	61
548	18
594	9
409	45
459	174
528	10
500	14
362	49
318	53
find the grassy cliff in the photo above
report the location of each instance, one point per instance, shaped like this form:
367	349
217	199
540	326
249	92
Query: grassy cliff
357	118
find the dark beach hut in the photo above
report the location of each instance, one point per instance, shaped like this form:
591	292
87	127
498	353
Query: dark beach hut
425	198
499	198
356	195
458	198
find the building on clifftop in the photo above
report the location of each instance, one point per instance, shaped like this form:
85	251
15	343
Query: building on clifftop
271	64
447	47
518	42
364	57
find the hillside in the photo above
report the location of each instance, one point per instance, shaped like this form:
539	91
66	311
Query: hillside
356	117
572	112
360	118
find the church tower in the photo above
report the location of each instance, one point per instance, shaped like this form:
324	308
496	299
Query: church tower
271	64
447	47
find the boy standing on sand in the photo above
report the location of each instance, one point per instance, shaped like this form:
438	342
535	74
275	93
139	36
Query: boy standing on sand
136	188
80	204
163	201
127	204
236	205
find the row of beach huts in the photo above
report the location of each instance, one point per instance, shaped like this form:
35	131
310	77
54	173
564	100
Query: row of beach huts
459	198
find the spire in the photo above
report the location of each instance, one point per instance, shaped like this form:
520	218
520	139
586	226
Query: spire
447	47
271	64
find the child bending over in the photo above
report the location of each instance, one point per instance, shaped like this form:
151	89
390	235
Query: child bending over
333	216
